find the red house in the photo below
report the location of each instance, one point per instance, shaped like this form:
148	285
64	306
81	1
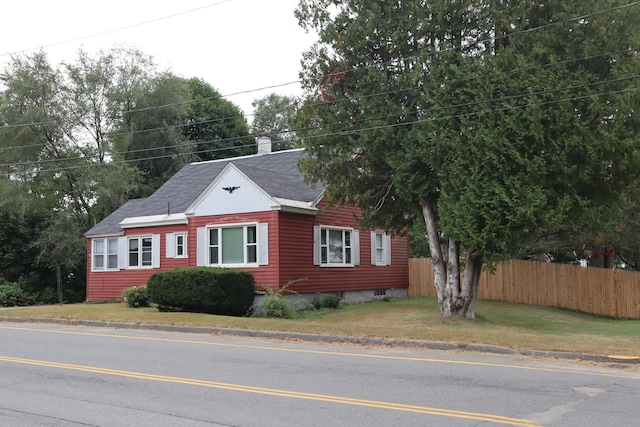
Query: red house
252	213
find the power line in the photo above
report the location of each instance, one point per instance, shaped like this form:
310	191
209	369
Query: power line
195	143
216	120
115	29
351	131
428	54
389	116
421	112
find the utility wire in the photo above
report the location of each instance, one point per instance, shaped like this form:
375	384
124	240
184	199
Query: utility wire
350	131
389	116
428	54
114	30
216	120
376	118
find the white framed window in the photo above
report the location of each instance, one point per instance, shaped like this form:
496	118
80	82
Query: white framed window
380	248
181	245
105	254
143	251
233	245
177	245
336	246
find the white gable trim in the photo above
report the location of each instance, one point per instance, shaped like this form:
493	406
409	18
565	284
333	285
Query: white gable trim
103	236
154	220
295	206
229	168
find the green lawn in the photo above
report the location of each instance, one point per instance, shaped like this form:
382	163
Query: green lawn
509	325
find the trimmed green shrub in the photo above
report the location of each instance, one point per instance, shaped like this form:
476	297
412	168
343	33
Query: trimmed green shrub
136	296
11	294
203	290
330	301
326	301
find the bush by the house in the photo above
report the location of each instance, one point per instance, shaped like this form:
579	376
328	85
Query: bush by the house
136	296
203	290
330	301
11	294
326	301
275	303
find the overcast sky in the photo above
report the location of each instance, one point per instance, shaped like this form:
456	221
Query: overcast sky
234	45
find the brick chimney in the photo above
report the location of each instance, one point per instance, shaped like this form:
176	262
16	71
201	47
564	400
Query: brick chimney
264	145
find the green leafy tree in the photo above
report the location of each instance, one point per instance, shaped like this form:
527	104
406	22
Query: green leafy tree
216	127
62	246
151	139
274	117
490	121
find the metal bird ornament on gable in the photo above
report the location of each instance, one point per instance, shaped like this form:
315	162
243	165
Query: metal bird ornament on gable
231	189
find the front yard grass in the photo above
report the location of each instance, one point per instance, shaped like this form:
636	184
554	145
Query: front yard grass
515	326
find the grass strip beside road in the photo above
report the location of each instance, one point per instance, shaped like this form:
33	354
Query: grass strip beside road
515	326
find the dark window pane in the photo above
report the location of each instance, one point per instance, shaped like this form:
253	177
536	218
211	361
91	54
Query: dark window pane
251	234
252	254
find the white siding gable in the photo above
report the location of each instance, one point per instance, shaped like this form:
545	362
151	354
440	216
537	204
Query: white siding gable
242	195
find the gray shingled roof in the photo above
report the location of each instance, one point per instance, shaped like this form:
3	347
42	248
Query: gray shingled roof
276	173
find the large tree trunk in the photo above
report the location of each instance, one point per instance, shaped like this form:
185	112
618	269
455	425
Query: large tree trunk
439	269
469	293
454	296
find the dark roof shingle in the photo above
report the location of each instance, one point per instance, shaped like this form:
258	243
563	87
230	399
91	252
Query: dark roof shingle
276	173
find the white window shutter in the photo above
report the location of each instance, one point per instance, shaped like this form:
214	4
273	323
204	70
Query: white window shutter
201	247
356	247
263	244
386	242
155	250
373	248
123	252
316	245
170	240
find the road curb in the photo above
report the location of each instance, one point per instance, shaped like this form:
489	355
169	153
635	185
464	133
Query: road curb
297	336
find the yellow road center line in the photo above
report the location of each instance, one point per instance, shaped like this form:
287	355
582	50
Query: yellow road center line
622	357
498	419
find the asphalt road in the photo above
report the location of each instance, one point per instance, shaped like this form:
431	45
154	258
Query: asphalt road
52	375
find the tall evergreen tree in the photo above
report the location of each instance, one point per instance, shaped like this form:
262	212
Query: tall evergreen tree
488	120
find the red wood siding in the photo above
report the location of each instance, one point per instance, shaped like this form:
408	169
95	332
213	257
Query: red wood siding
290	256
265	274
109	285
296	256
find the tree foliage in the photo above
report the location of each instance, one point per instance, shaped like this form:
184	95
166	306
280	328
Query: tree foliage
79	139
274	117
493	122
216	127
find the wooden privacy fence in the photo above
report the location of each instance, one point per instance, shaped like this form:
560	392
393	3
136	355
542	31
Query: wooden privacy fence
593	290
